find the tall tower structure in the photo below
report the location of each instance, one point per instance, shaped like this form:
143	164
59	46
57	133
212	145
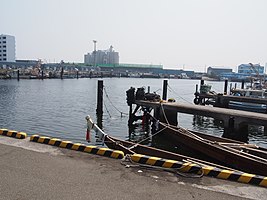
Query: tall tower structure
94	52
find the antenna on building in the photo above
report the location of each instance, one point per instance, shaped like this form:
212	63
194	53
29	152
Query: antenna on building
94	52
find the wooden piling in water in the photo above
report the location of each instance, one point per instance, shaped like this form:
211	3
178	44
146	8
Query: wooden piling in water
225	86
61	73
165	84
18	75
243	84
99	110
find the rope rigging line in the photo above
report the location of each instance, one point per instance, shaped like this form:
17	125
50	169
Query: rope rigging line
107	109
113	104
165	117
147	138
172	90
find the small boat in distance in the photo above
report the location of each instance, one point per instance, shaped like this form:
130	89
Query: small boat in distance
247	106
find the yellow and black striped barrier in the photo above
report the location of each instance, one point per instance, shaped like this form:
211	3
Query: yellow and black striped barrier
207	170
11	133
77	146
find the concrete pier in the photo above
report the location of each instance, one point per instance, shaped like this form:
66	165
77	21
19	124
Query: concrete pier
36	171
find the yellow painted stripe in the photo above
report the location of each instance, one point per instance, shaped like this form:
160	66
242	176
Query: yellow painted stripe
52	141
264	182
245	178
88	149
207	169
63	144
224	174
33	136
187	166
152	160
76	146
21	135
10	132
102	151
136	157
2	130
116	154
41	139
169	163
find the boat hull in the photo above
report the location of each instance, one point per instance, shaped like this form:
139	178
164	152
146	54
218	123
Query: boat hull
220	154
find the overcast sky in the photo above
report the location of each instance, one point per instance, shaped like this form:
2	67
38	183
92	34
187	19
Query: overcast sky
189	34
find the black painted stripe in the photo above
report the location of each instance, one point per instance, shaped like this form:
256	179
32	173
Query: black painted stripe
214	172
35	138
256	180
108	153
46	140
94	150
234	176
69	145
81	148
159	163
176	165
195	169
57	143
120	156
143	160
14	134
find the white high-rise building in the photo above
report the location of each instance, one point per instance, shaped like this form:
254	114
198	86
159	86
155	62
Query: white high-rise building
7	48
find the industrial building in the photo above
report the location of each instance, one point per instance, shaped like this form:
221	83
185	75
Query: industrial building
102	57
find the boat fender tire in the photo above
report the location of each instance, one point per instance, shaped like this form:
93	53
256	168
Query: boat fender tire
196	101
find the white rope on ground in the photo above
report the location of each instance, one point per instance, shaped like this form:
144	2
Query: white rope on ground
177	171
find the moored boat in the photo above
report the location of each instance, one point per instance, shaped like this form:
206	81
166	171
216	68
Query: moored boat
241	156
226	151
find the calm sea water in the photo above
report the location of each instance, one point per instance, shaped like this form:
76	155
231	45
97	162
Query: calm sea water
57	108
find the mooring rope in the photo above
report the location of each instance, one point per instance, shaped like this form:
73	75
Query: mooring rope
172	90
165	117
104	88
107	109
177	171
147	138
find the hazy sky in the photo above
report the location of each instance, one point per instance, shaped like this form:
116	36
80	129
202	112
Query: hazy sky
189	34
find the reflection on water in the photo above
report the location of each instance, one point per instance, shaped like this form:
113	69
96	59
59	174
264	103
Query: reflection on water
57	108
204	124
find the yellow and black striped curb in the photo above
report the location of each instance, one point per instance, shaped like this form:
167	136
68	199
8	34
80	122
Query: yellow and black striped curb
11	133
207	170
77	146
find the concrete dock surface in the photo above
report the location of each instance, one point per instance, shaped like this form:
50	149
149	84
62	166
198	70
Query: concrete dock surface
37	171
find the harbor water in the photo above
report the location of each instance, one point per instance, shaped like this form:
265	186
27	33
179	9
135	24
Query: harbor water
57	108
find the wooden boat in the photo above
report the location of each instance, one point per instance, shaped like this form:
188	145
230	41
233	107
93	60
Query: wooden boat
130	148
242	156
